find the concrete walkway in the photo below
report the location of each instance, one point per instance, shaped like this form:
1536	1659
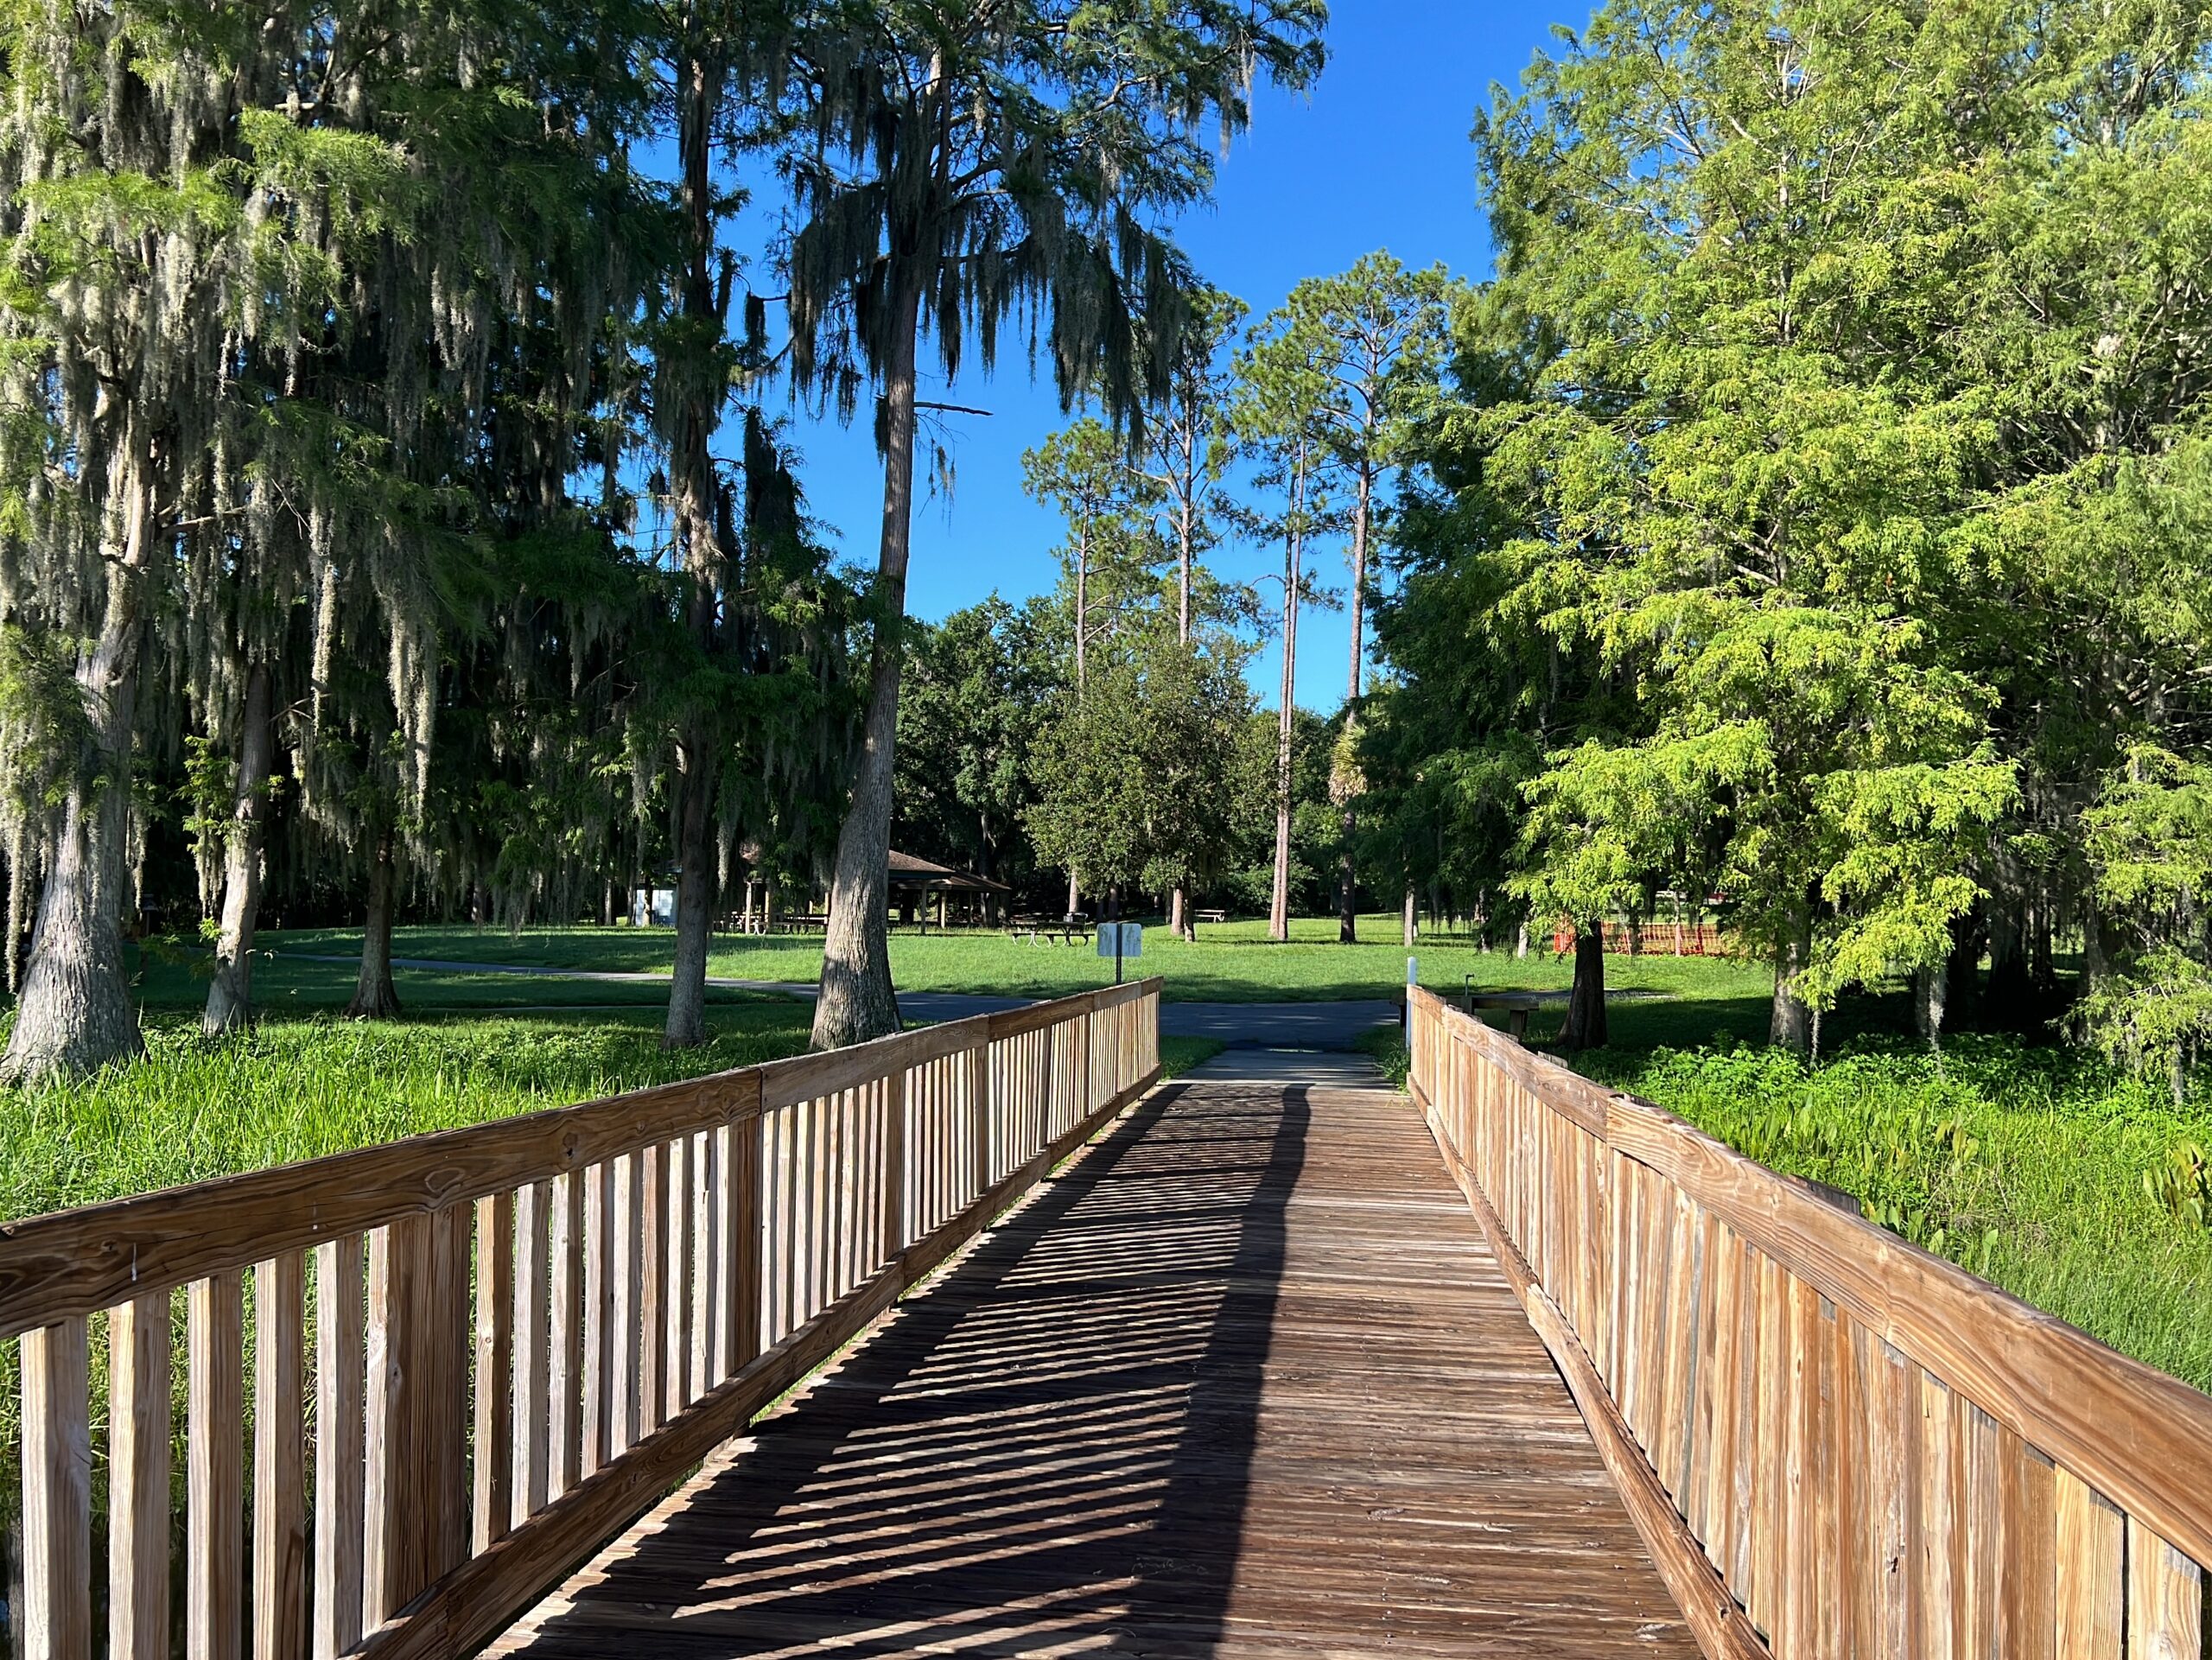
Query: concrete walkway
1304	1026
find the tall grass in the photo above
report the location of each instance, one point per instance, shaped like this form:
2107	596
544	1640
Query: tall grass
300	1089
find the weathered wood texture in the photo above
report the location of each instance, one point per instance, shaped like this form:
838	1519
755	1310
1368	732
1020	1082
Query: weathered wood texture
523	1333
1836	1444
1245	1381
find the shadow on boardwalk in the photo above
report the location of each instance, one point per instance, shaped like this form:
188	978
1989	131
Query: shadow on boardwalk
1245	1382
1053	1442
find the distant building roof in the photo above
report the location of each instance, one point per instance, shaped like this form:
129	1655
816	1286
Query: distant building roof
908	871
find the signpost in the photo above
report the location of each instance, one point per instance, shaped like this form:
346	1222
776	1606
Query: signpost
1120	940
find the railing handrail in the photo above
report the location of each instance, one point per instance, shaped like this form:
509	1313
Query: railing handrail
516	1336
2140	1438
77	1261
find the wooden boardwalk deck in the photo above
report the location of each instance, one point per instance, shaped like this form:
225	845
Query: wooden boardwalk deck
1247	1381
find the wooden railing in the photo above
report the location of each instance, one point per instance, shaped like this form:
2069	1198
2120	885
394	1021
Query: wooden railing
469	1358
1835	1443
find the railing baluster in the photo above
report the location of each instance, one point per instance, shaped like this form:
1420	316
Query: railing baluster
601	1298
676	1277
710	1342
530	1406
653	1291
745	1240
491	1466
57	1492
339	1406
215	1474
569	1315
280	1521
138	1479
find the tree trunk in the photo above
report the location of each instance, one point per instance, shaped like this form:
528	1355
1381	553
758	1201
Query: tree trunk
699	390
1185	534
1789	1024
1075	892
695	903
1279	899
1179	912
1930	991
74	1015
375	997
1081	602
857	1002
230	994
1411	922
1586	1004
1347	890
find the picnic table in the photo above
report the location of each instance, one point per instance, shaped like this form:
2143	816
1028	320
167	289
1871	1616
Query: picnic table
1071	930
1210	916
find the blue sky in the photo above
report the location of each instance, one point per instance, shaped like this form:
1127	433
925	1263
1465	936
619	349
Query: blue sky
1376	156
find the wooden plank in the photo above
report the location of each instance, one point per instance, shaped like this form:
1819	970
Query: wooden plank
891	1225
77	1262
2028	1499
280	1511
57	1520
1893	1486
339	1403
676	1243
2165	1599
625	1323
530	1408
492	1463
214	1612
744	1231
2090	1587
564	1369
596	1407
417	1498
710	1304
138	1479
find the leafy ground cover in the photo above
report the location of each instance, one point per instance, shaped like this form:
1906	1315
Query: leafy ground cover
2078	1189
1230	963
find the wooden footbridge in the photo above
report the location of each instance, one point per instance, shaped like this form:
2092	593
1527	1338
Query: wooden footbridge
1284	1367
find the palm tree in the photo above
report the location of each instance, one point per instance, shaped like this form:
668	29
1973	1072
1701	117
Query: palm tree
963	165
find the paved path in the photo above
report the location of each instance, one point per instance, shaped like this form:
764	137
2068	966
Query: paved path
1312	1026
1246	1383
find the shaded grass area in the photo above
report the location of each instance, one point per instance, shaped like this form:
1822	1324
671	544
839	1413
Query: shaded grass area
1230	963
2024	1163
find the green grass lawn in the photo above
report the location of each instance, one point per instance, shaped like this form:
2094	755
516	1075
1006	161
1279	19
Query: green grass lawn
1230	963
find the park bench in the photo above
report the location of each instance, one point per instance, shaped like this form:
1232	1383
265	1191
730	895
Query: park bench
1517	1006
